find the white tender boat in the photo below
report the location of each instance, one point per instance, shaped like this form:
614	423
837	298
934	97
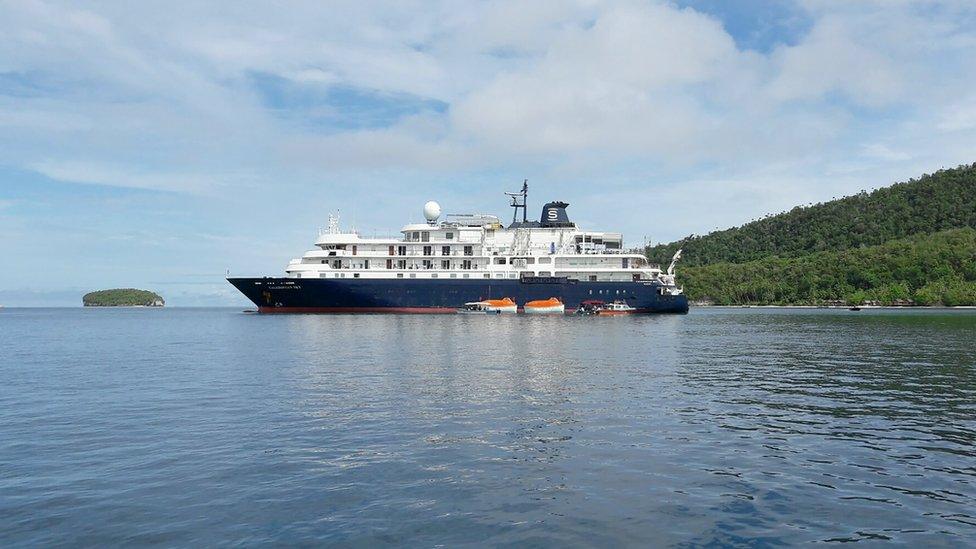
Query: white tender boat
489	306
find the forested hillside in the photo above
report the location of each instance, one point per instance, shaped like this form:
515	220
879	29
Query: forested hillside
936	202
925	269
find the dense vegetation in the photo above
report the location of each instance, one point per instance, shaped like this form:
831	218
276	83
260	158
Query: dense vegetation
927	269
122	297
937	202
911	243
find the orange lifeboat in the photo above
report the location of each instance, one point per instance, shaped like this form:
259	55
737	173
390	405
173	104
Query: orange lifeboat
504	305
545	307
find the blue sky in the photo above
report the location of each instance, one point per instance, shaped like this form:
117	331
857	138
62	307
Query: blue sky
161	145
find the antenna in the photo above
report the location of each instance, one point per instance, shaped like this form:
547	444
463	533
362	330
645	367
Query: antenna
518	201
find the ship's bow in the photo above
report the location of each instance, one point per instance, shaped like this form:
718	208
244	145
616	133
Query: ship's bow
250	287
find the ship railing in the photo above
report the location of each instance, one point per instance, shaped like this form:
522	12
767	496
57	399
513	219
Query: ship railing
434	253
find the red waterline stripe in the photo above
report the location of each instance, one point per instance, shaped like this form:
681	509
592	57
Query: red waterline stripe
389	310
407	310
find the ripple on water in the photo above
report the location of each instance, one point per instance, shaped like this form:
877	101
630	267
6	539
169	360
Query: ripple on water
720	427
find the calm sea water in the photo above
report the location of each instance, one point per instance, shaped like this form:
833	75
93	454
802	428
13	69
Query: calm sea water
761	427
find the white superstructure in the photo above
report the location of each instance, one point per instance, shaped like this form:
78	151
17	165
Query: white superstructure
479	246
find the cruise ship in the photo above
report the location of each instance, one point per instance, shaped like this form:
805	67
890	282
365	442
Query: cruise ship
438	266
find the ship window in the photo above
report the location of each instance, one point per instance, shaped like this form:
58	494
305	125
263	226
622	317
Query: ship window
591	292
446	264
336	275
413	275
453	275
466	264
499	275
446	250
389	263
468	250
465	275
355	275
399	275
323	262
486	275
499	261
323	275
545	273
511	275
592	278
428	250
433	275
425	236
545	260
428	264
401	250
416	236
449	236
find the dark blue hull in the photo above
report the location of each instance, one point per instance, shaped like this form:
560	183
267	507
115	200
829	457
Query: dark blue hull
314	295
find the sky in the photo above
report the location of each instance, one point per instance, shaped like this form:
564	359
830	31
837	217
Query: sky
161	145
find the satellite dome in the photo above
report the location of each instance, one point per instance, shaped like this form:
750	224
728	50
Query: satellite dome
432	210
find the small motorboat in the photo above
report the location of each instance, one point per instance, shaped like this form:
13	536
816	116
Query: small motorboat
489	306
477	308
616	308
589	307
855	308
545	307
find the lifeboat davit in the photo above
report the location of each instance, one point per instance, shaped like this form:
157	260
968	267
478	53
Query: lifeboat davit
545	307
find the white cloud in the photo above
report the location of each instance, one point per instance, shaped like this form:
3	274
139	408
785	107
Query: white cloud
623	93
831	59
959	116
136	177
880	151
621	83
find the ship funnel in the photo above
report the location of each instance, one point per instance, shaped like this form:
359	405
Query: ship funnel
554	215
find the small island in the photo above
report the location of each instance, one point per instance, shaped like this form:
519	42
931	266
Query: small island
123	297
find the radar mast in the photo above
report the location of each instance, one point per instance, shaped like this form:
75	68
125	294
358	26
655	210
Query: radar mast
518	201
